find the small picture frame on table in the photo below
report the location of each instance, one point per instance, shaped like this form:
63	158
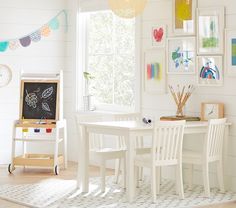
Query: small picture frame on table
154	71
212	111
210	71
230	52
184	17
181	55
210	30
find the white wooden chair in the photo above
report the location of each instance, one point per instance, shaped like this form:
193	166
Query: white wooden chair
212	152
166	151
121	140
97	149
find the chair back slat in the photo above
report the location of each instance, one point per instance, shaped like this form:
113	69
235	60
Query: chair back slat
167	141
95	140
215	138
172	150
126	117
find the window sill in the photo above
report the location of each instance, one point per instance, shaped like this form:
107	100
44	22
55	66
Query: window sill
99	112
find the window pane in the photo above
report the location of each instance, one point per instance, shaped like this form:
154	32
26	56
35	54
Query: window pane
100	33
101	87
124	80
124	41
111	58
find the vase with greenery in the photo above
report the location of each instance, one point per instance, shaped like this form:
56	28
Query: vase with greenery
87	96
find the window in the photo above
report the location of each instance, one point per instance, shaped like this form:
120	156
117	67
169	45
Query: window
109	48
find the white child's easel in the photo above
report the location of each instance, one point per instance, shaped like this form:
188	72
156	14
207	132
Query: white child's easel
59	125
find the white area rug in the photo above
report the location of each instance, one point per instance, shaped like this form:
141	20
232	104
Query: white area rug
55	194
39	194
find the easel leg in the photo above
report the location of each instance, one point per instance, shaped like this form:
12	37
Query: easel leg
65	144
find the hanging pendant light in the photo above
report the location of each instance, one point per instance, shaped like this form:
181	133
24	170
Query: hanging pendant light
127	8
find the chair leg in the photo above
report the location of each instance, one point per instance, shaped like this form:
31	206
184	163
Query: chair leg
117	170
153	184
124	173
136	176
190	177
205	172
102	174
140	144
140	173
158	179
220	175
179	180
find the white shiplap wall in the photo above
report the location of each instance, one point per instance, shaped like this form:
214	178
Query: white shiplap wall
160	11
52	54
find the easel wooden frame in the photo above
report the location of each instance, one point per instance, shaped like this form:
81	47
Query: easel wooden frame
59	125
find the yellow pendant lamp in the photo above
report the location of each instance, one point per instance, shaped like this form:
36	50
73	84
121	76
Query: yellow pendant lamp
127	8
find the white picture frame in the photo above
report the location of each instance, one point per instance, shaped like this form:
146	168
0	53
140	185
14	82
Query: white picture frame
210	71
181	55
210	31
154	71
230	52
158	35
182	27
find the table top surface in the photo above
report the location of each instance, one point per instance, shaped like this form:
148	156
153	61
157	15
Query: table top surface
135	125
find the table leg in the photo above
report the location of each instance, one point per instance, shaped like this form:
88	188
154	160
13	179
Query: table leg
83	169
225	153
130	167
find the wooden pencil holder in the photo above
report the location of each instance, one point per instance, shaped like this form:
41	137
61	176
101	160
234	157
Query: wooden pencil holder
181	97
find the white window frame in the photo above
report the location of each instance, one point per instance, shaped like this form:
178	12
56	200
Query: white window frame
82	64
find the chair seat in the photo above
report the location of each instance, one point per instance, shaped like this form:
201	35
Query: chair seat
109	153
143	150
144	160
192	157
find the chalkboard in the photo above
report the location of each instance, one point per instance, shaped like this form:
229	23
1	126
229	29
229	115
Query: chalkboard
39	100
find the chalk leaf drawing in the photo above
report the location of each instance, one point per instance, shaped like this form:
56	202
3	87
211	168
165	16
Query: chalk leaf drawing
47	93
45	107
31	99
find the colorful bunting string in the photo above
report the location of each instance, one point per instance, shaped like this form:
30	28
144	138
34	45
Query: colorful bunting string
35	36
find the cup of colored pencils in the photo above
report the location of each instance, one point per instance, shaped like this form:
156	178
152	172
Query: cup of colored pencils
181	96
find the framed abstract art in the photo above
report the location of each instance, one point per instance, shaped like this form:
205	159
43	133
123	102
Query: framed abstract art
158	35
181	55
184	17
154	70
230	57
210	72
210	30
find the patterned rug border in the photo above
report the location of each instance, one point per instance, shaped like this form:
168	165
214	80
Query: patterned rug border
70	188
71	197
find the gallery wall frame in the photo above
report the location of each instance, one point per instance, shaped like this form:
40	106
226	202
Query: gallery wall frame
210	30
210	71
230	52
181	55
184	17
154	71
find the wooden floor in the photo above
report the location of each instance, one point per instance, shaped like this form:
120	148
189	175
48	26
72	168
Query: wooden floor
22	176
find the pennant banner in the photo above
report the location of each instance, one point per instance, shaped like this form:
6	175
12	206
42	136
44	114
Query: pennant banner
35	36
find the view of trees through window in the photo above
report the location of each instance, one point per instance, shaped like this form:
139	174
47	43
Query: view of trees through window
111	58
